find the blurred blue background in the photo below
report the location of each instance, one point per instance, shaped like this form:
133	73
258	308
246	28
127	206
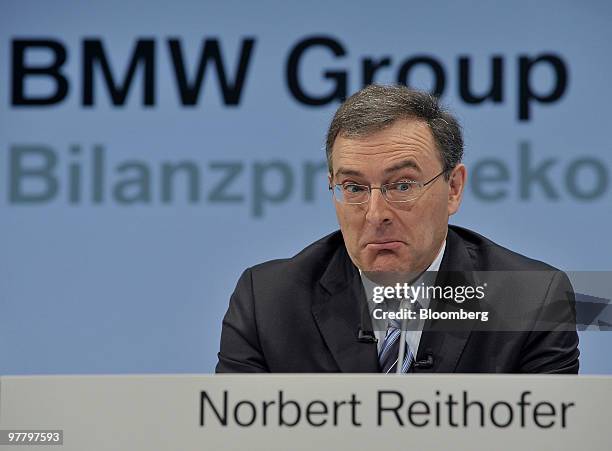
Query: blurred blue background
119	251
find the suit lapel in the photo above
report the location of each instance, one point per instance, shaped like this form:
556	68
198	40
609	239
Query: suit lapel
437	340
337	313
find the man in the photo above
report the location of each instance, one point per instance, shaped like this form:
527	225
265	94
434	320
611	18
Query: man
395	171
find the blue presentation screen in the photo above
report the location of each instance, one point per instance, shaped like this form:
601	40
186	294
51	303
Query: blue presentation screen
151	151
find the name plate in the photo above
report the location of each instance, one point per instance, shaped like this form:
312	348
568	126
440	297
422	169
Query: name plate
308	412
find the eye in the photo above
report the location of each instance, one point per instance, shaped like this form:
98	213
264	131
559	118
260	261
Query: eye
353	189
402	186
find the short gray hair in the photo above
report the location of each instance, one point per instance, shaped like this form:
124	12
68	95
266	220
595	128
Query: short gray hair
377	107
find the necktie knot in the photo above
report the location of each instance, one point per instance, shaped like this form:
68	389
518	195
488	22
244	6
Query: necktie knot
394	324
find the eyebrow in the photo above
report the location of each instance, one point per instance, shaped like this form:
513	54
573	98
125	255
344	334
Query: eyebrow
403	165
345	171
396	167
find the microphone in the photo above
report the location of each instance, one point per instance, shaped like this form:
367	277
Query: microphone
426	363
366	336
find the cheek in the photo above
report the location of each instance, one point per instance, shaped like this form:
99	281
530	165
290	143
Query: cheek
342	220
350	223
426	218
437	218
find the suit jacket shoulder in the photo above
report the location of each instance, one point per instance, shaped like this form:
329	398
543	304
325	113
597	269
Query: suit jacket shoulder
487	255
306	267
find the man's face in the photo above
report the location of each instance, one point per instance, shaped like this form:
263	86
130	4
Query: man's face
384	236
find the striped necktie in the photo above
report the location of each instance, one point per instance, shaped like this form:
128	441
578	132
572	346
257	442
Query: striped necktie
389	350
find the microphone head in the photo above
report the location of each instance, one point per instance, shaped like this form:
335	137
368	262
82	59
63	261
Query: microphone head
427	362
366	336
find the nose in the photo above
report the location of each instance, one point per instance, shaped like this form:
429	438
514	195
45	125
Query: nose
379	210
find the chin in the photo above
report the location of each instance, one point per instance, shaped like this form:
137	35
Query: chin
387	264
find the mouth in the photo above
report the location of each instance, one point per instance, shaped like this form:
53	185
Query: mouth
381	245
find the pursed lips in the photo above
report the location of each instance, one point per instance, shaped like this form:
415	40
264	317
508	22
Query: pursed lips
386	244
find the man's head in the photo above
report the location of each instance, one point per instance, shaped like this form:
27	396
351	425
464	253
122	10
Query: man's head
384	135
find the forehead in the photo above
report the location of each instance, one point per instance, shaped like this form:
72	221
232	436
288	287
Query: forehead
405	141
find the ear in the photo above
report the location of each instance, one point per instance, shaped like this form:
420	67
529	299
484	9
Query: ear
329	179
456	184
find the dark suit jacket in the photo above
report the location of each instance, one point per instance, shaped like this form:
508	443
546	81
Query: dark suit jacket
303	314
